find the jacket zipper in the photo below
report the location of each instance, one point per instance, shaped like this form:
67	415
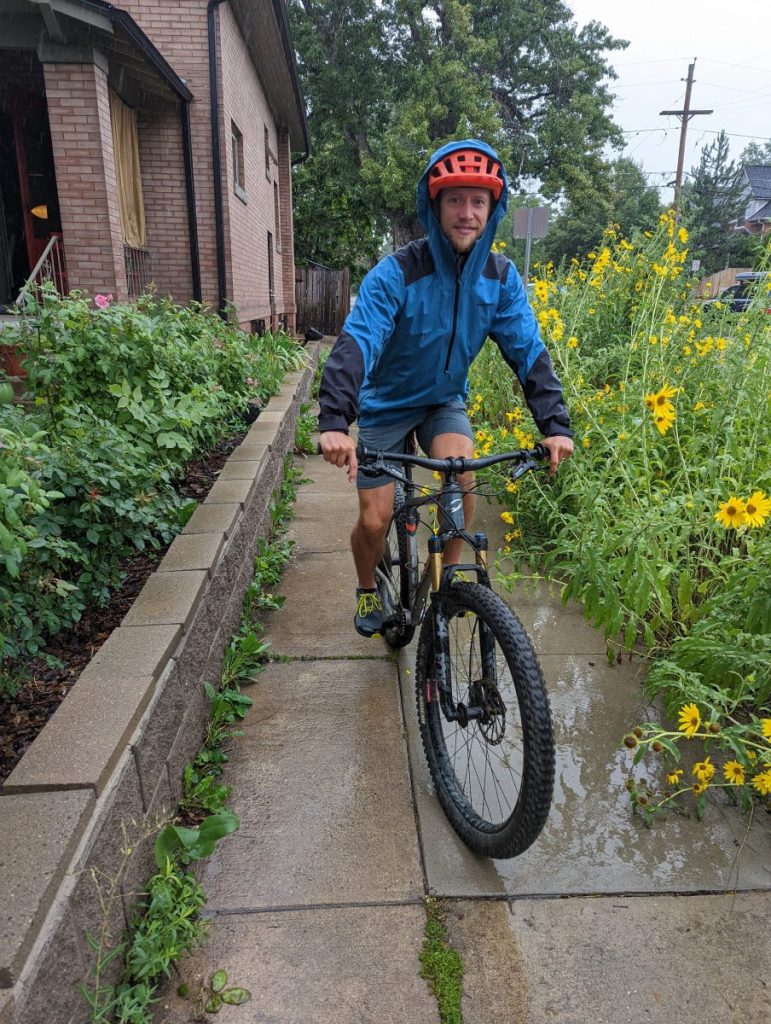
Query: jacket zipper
454	322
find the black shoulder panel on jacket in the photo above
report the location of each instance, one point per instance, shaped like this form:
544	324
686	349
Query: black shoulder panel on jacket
415	260
340	384
496	268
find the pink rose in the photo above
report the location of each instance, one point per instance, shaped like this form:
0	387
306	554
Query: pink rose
102	301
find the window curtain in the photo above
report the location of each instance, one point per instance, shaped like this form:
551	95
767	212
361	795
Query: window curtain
125	142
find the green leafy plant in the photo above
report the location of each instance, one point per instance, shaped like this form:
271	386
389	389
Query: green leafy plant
307	424
118	401
165	924
659	523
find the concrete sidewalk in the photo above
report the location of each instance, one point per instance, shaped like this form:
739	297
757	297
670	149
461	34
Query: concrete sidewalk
317	901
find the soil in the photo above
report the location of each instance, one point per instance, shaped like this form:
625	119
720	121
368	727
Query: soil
43	688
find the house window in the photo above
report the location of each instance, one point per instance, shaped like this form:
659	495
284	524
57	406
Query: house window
267	153
237	153
277	214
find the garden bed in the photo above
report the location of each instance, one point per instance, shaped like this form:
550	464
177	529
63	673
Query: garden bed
44	681
109	763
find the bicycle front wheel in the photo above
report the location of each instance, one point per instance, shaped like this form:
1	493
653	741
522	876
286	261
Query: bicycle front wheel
494	775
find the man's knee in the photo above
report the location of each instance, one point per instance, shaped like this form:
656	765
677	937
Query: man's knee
375	507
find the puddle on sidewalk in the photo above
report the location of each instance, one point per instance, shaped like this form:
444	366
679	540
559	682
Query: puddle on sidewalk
591	842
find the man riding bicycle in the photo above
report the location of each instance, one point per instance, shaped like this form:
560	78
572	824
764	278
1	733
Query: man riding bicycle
401	361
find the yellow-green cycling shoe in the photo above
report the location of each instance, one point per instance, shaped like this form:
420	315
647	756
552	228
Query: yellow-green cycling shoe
368	619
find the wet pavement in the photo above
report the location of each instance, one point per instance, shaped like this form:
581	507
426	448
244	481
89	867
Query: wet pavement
316	901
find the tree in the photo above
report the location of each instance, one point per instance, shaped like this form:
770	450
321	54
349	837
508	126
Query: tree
387	82
621	196
712	202
755	155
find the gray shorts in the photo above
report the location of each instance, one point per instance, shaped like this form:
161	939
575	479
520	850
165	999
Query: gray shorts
427	423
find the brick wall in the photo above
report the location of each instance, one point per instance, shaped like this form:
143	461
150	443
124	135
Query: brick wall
179	31
244	103
163	183
81	135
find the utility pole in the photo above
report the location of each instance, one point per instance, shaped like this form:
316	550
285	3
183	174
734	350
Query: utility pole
685	116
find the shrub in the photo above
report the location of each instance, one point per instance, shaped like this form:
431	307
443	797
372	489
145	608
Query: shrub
118	401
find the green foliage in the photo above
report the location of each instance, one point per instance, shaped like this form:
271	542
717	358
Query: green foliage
201	790
442	966
307	425
186	844
712	201
387	83
632	523
118	401
619	195
166	923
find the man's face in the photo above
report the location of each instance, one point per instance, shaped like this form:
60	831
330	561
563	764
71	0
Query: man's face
463	214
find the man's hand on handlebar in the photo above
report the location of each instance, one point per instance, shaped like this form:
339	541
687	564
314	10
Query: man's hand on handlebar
340	450
560	448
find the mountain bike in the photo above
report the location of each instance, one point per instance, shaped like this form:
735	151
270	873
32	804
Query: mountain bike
482	705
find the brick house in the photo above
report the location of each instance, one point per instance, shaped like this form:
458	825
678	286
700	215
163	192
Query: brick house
154	141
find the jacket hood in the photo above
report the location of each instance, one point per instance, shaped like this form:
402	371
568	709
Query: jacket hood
441	250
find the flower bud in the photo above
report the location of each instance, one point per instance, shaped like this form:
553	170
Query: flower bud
714	728
630	741
638	732
629	785
657	747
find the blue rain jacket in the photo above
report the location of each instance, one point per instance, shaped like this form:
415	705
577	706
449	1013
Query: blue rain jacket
421	318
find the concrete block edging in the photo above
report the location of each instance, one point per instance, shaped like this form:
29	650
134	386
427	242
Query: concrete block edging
172	640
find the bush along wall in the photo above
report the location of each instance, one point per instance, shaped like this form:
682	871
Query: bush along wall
118	399
661	522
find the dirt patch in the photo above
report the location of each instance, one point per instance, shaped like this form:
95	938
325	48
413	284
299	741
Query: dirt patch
44	688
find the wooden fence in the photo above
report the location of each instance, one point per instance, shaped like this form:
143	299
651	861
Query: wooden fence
323	298
712	286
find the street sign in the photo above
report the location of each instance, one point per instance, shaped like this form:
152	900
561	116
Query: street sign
530	223
533	221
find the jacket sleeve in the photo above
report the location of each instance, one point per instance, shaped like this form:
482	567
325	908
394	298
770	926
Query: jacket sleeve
367	328
515	331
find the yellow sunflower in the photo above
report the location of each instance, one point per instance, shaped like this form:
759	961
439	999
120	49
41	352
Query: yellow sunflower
762	782
703	770
757	509
689	720
765	727
674	776
731	513
734	773
664	420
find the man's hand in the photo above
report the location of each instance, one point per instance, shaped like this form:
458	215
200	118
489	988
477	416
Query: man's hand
340	450
560	448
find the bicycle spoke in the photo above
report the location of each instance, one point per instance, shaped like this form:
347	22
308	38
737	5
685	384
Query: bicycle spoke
489	774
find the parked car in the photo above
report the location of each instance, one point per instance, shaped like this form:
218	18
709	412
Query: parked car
739	296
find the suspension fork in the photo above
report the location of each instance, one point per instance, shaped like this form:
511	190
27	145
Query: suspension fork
452	712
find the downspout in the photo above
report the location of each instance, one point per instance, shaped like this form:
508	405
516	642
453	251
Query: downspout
219	226
192	217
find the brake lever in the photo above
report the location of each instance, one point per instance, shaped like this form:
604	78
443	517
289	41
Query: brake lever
531	466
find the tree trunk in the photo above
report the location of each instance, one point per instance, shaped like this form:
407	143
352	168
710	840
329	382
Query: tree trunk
404	228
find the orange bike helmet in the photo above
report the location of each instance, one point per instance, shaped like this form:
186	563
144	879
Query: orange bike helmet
465	168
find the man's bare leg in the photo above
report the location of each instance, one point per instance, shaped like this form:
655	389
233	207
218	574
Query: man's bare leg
369	533
445	446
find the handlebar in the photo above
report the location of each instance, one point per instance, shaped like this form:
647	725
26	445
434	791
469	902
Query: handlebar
526	459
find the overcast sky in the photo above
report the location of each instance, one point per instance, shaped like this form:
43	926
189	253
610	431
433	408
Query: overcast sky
732	44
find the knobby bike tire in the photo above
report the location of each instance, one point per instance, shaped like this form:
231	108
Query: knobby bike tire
449	748
397	547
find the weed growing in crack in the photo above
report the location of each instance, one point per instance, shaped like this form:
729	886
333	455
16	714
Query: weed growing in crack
441	965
